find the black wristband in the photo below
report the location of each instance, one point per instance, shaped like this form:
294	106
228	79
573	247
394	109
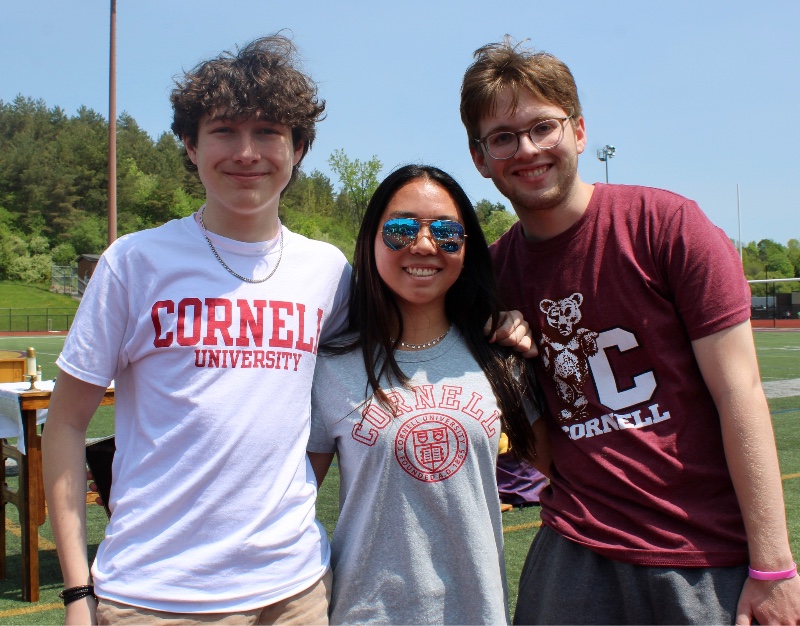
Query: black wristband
76	593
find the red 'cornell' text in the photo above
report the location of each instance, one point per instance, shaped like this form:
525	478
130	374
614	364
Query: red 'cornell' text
223	322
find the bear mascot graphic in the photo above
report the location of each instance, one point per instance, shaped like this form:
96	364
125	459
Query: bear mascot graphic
565	354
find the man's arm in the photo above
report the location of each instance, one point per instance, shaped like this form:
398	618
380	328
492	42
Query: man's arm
727	360
72	406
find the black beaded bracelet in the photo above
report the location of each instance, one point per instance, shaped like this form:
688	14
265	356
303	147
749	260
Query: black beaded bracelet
76	593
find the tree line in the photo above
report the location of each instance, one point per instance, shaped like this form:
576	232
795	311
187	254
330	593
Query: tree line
769	259
54	185
54	188
54	194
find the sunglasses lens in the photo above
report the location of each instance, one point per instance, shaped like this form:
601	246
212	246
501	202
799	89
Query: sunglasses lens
400	232
449	235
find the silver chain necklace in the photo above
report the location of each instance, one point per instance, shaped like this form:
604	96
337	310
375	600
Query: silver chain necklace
429	344
225	265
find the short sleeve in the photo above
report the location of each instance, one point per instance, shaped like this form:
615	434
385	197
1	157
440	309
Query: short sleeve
705	273
93	349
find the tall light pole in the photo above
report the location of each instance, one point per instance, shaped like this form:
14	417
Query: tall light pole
604	154
739	221
112	127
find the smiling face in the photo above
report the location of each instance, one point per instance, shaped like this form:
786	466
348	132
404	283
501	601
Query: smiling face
419	275
533	179
244	166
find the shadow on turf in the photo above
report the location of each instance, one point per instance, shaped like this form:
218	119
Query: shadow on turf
49	574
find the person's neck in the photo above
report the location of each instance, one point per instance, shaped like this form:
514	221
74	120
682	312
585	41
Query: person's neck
543	224
260	226
422	325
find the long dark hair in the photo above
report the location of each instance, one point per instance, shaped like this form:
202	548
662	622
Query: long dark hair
469	303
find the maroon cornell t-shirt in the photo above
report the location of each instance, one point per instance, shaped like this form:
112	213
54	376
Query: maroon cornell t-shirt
615	302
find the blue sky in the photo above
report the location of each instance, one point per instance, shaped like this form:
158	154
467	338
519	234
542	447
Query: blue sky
696	95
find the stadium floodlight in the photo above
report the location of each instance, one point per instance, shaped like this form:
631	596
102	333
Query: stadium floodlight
604	154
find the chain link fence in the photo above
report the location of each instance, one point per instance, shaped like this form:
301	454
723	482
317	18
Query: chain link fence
36	320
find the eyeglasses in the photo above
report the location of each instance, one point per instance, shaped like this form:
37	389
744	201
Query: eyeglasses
401	232
545	135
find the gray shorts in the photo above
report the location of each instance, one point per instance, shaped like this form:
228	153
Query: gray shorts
563	582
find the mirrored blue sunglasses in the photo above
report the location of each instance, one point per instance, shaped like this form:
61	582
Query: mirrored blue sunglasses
401	232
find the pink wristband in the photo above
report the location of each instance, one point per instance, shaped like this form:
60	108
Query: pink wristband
758	575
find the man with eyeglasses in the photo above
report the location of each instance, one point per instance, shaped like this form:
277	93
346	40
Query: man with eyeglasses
666	481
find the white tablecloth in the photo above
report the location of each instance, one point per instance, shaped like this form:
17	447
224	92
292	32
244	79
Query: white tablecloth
10	413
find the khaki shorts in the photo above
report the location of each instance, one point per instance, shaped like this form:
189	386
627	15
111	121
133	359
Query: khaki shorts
307	607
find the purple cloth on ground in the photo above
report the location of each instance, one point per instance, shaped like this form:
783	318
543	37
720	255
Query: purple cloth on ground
518	482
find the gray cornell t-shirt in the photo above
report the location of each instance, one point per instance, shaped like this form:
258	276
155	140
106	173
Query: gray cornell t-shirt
419	538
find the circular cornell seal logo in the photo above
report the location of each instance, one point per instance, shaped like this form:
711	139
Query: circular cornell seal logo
431	447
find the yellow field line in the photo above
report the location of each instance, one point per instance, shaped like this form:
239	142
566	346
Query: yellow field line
528	526
44	544
36	608
788	476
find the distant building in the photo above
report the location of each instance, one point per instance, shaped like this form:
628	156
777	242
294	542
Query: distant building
778	306
86	265
72	279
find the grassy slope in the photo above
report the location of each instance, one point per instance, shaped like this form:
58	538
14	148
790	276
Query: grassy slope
21	296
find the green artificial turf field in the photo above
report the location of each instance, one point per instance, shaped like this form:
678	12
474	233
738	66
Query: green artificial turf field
778	353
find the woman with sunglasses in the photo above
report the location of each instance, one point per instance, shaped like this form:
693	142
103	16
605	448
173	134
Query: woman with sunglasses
413	400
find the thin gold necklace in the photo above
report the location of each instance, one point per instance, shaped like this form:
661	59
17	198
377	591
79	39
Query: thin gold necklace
429	344
225	265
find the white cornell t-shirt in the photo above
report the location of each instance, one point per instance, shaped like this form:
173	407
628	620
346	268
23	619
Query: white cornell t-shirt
213	496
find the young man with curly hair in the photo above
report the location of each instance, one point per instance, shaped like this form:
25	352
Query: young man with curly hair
666	480
209	326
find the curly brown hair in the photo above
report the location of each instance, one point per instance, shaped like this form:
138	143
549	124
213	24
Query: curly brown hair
498	66
261	80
